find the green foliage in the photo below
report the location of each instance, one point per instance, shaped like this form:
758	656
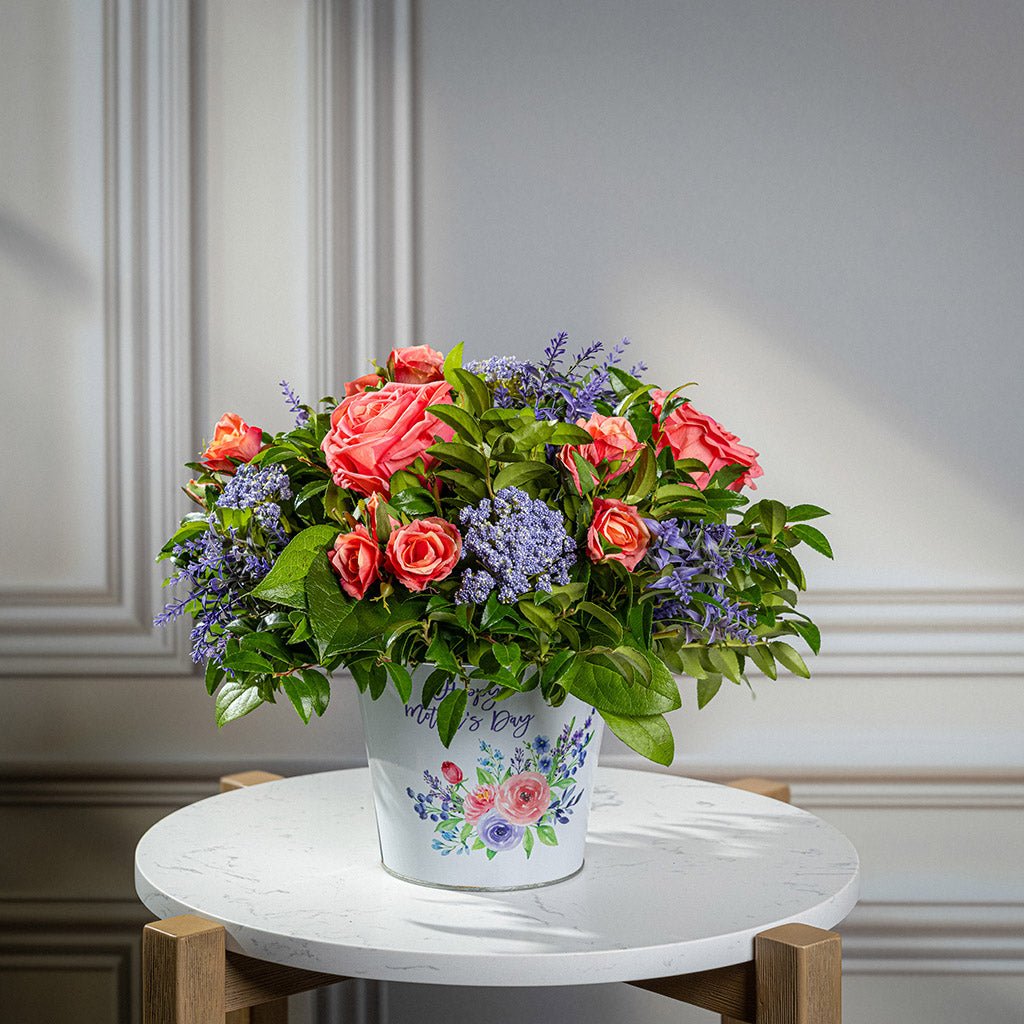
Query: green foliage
596	637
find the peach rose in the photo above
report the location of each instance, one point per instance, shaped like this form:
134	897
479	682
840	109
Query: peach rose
523	798
477	803
360	384
616	523
419	364
233	438
693	435
615	445
356	559
376	433
423	552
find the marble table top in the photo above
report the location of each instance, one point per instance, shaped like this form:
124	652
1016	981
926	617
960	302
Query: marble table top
679	876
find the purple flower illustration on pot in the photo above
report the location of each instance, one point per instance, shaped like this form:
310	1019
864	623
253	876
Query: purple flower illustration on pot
498	834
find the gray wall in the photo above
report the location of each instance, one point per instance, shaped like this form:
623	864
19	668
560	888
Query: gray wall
815	210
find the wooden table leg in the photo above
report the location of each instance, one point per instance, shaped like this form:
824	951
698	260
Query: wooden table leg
799	975
183	971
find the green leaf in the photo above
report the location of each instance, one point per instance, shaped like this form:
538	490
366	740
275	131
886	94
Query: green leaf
762	658
449	715
515	474
268	644
471	387
813	538
284	584
461	456
773	516
308	691
235	700
328	607
214	674
569	433
789	658
414	501
649	735
539	616
401	678
528	841
246	661
465	425
645	476
706	689
440	654
809	631
603	616
452	361
585	471
725	661
606	689
799	512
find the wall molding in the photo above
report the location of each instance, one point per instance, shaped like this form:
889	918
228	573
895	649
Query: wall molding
145	130
362	225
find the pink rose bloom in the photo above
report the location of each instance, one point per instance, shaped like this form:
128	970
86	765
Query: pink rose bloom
375	433
477	803
693	435
419	364
356	559
452	772
615	444
423	552
619	524
233	438
523	798
360	384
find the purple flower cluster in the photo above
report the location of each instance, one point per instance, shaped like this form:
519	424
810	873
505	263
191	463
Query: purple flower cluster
554	391
301	416
521	543
687	555
219	570
257	488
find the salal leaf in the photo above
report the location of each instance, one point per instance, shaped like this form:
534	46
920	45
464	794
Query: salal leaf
236	699
606	689
648	735
789	658
464	424
449	715
801	512
284	584
813	538
515	474
707	688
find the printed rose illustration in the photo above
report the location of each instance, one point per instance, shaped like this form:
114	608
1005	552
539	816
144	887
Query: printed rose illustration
524	798
517	802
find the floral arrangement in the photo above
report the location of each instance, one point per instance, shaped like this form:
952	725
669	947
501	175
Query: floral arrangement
556	524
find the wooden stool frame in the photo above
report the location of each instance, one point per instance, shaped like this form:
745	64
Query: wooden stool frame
190	978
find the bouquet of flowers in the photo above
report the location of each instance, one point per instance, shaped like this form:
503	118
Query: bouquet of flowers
556	524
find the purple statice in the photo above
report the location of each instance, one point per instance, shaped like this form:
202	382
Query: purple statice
687	554
521	543
294	405
260	489
511	381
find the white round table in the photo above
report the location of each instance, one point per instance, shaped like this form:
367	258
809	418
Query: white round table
680	876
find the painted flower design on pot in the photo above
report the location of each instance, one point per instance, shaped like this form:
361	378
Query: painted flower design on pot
516	802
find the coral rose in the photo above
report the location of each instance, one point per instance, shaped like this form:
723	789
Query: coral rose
523	798
419	364
360	384
233	438
423	552
616	523
356	559
693	435
376	433
615	445
477	803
